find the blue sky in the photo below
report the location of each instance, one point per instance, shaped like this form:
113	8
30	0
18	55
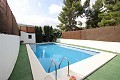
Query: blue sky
38	12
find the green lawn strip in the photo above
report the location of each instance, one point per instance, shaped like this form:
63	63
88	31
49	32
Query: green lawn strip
92	48
22	69
110	71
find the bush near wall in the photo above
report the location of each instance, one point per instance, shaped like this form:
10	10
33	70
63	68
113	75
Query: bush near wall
47	35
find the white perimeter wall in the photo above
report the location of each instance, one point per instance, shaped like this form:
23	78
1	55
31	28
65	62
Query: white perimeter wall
9	49
24	37
110	46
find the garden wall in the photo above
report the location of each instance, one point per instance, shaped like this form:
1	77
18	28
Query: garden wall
101	34
9	49
72	35
8	24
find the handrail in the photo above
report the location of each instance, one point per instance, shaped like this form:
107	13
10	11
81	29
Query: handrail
68	64
55	68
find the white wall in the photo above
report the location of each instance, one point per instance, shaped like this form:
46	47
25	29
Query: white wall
9	49
110	46
24	37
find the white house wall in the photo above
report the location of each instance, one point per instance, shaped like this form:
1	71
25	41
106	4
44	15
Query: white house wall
24	37
9	49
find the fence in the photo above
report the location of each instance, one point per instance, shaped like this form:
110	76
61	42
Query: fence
27	29
101	34
8	24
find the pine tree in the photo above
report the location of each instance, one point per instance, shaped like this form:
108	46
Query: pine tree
71	10
111	15
92	13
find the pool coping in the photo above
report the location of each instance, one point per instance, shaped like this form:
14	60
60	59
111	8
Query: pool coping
85	69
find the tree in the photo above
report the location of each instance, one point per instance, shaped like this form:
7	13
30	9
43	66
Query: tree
71	10
47	32
51	34
38	34
92	13
57	34
111	15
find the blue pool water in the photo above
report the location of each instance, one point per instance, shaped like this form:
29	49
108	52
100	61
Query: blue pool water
48	52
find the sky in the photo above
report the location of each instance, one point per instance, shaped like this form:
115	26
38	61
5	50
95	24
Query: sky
38	12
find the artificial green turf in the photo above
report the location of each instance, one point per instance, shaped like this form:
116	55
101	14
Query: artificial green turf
110	71
22	69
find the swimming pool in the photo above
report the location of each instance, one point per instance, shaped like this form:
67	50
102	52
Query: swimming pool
48	52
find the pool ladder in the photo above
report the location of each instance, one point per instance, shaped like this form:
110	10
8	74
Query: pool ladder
67	62
55	68
59	67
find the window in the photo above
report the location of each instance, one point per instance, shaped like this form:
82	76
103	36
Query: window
29	36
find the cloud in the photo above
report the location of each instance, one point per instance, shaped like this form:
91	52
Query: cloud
39	3
38	20
55	9
19	6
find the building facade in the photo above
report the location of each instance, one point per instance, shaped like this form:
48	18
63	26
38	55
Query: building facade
27	34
